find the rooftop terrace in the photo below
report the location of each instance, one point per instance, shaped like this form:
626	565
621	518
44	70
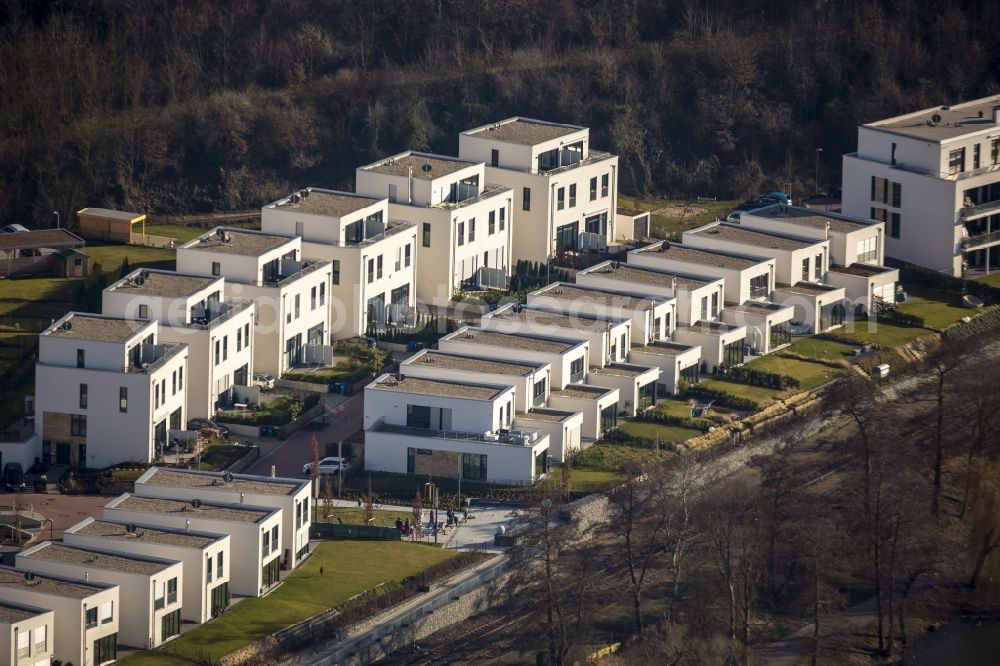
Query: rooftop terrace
545	414
807	288
95	559
861	270
620	370
436	387
663	348
216	482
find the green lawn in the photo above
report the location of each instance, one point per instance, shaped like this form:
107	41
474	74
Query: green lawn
757	394
37	289
350	568
885	334
184	233
938	309
822	349
674	407
382	517
220	455
665	433
993	279
810	375
110	256
586	479
612	457
673	225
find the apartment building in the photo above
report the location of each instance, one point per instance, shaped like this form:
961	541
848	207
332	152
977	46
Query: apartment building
151	589
193	310
531	381
565	192
107	389
933	178
857	249
373	258
205	558
609	337
254	533
464	224
291	293
290	496
26	635
449	429
800	265
653	316
86	613
748	283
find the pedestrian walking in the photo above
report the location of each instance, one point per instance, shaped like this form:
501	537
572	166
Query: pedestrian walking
322	569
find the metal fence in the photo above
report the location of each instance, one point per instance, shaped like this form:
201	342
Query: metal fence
359	532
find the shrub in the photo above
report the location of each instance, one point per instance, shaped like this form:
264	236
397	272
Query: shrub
726	400
754	377
984	323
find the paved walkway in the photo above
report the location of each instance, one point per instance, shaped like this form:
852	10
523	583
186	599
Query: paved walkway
798	645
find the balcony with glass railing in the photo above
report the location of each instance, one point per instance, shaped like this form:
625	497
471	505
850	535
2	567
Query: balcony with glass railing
522	437
489	191
981	241
216	312
976	210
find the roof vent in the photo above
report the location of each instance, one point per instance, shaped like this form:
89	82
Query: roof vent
426	168
29	578
228	477
935	119
664	246
196	503
67	325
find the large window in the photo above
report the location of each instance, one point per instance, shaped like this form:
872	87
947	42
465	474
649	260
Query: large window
270	573
106	649
78	425
690	374
758	286
956	161
597	224
474	466
593	188
781	334
604	185
83	396
576	370
647	395
376	310
572	195
461	234
526	198
830	315
818	267
418	416
805	269
868	250
732	354
541	463
172	591
170	625
538	392
566	237
894	225
560	198
609	417
220	598
426	234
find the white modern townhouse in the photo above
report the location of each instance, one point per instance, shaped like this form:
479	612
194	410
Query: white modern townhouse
373	258
205	558
290	496
449	429
700	300
254	533
800	268
151	589
85	613
933	178
653	316
291	293
610	339
748	283
564	191
107	390
568	357
857	249
568	360
26	635
464	224
679	363
193	310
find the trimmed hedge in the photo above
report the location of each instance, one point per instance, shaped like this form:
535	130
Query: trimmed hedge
924	277
754	377
894	316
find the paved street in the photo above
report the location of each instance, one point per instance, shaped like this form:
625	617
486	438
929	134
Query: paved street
289	456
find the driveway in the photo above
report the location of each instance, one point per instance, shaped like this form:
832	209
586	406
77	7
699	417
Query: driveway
289	456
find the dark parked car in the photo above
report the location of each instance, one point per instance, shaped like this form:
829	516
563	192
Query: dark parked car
201	424
13	476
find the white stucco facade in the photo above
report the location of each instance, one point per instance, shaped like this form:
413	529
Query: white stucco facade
107	390
27	634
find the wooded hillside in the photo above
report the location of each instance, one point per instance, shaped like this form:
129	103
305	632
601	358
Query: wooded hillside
183	106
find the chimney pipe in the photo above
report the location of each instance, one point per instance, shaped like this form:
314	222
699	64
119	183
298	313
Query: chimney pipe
187	524
241	498
273	471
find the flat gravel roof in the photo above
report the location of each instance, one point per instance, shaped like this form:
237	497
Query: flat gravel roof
106	529
248	243
516	341
577	321
93	559
166	284
810	217
329	202
660	278
215	482
436	359
525	131
84	326
417	162
753	237
663	348
234	513
553	415
955	121
583	391
52	585
9	614
695	255
436	387
564	291
620	370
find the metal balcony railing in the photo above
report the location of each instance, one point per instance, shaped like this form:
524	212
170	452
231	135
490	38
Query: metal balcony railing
980	209
980	241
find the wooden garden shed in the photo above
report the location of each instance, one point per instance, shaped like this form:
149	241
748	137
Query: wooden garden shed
111	225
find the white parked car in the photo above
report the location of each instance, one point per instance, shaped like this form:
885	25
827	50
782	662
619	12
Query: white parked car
263	380
13	229
331	465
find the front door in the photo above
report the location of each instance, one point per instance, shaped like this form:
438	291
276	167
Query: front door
62	453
